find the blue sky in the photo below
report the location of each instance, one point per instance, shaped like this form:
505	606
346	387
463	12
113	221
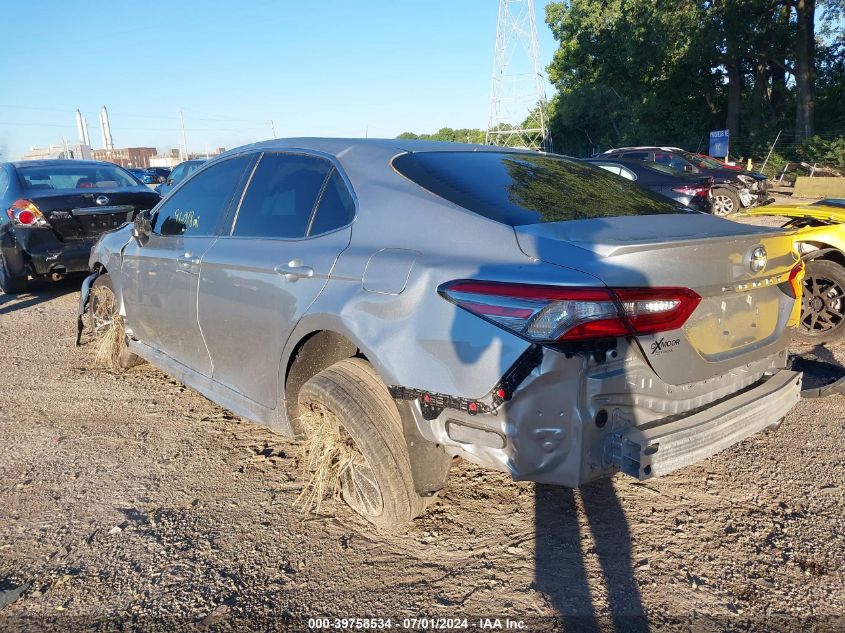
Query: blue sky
322	68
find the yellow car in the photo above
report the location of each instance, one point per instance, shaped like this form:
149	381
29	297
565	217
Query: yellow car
820	238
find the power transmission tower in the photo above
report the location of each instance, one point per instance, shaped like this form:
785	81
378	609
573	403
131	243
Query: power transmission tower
518	113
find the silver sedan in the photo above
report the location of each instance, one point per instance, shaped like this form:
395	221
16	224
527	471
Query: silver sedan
528	312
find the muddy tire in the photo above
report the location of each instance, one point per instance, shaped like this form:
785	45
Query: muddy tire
379	485
725	202
102	309
822	303
9	283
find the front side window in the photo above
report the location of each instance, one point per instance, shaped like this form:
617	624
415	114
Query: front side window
525	188
282	195
198	207
663	159
177	174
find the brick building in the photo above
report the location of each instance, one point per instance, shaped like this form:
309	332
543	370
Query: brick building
126	157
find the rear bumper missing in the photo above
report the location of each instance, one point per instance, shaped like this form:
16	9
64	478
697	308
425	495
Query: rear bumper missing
659	447
45	253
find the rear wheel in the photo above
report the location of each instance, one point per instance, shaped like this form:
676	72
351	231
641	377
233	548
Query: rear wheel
822	303
10	283
725	202
374	472
103	315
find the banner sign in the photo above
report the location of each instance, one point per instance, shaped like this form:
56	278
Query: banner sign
719	141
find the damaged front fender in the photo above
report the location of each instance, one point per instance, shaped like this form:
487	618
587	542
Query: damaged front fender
84	296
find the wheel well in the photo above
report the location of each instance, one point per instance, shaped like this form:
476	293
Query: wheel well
322	349
835	256
314	353
99	268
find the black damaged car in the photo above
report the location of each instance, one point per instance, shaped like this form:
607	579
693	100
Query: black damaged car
52	212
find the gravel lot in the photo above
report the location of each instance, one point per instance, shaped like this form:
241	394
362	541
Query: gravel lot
131	501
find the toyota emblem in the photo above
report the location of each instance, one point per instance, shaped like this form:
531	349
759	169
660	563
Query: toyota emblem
101	200
759	259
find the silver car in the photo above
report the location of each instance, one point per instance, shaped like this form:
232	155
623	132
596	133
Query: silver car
528	312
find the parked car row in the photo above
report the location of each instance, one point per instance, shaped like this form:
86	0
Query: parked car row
529	312
693	191
54	211
733	189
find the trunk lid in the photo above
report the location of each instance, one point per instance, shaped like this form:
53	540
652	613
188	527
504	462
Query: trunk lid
743	314
82	214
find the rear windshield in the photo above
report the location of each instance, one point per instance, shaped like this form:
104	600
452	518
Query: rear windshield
75	177
522	188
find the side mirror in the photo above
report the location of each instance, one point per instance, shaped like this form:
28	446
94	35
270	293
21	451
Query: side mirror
142	227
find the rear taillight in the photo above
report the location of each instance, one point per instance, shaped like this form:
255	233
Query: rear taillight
693	190
552	313
796	277
25	213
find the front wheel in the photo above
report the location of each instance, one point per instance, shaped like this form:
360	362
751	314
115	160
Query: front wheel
822	303
107	326
353	431
725	202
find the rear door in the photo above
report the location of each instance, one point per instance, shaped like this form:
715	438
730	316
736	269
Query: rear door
160	279
256	283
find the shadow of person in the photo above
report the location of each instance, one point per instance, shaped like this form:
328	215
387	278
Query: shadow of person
561	556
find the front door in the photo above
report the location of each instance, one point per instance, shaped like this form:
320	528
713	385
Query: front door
256	283
160	279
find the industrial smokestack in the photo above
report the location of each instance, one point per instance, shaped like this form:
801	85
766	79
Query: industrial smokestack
79	127
103	130
86	139
104	123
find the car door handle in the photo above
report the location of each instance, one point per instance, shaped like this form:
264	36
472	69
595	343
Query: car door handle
294	270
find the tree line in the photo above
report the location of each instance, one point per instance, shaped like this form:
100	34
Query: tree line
669	71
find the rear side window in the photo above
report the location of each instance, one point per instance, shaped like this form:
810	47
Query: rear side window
523	188
197	207
619	170
281	196
635	155
336	207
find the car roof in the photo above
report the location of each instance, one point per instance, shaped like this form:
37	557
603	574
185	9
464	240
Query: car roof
336	146
646	148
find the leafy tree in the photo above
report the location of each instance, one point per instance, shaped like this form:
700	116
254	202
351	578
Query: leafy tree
661	71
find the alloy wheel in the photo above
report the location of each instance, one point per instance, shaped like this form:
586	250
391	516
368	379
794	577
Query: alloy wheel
822	305
722	205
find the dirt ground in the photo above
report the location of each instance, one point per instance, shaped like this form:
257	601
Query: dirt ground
131	502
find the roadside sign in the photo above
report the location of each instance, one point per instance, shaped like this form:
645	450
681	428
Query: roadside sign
719	141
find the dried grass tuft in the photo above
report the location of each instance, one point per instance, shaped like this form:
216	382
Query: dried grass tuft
109	345
326	456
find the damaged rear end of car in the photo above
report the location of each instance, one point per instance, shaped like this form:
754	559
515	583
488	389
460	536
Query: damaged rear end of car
661	340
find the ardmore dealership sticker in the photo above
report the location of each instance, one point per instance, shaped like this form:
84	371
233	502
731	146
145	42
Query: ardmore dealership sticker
663	345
